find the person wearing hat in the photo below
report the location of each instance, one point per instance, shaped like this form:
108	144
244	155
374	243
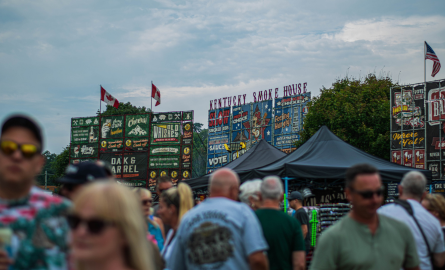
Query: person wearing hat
77	175
33	229
296	203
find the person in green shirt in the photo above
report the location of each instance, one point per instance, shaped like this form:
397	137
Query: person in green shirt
364	239
283	233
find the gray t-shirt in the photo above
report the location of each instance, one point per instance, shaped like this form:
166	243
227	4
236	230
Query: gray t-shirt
217	234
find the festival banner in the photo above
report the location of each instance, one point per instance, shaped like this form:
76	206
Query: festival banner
134	165
216	143
137	125
136	144
186	156
241	123
217	160
165	133
85	134
407	108
168	116
165	150
84	121
164	162
112	127
84	150
187	116
407	139
187	133
115	159
261	122
219	121
111	145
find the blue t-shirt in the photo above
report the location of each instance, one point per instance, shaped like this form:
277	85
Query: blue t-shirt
217	234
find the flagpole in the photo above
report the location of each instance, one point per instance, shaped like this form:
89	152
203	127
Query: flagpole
100	99
151	98
424	61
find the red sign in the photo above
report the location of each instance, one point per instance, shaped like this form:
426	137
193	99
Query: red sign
408	158
419	159
396	157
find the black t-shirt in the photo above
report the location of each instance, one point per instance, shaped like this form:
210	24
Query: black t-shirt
303	218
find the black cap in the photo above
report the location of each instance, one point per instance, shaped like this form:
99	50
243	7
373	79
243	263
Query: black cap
82	173
18	120
295	195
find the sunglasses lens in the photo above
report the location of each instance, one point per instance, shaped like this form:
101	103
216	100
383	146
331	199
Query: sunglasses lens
379	193
95	226
73	221
367	194
8	147
28	150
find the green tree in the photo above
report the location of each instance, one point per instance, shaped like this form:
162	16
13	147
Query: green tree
357	111
50	157
124	108
60	163
199	150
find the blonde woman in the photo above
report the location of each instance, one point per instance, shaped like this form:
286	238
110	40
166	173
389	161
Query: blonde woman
435	204
173	204
108	230
154	224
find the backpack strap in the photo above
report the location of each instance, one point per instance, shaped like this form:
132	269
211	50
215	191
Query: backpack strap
409	209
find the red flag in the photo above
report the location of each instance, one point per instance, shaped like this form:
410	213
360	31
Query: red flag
107	98
156	94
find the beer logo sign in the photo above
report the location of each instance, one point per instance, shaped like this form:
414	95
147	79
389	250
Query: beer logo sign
174	174
187	127
153	175
128	143
163	173
186	150
186	174
103	144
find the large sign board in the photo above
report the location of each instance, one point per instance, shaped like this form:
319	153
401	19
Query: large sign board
278	120
417	126
140	147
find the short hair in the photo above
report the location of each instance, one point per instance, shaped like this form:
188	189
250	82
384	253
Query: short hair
271	188
163	179
250	189
356	170
413	184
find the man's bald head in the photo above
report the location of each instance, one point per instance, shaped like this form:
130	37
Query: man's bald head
224	183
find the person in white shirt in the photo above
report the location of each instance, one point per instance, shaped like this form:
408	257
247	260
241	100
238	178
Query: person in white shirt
412	189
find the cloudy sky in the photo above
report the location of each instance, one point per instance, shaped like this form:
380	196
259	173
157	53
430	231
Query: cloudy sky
54	54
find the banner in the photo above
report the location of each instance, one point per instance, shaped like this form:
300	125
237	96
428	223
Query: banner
187	116
137	125
165	150
85	121
111	145
187	133
136	144
260	123
83	150
76	161
84	134
164	162
169	116
186	156
219	121
133	183
153	175
112	127
165	133
115	159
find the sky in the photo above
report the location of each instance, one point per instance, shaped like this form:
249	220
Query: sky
54	54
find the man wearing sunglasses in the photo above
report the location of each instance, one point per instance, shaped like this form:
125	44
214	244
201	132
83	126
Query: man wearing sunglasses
32	224
364	239
412	191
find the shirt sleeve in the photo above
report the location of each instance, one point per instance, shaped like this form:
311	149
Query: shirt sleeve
411	257
253	237
439	244
298	241
325	254
177	261
302	217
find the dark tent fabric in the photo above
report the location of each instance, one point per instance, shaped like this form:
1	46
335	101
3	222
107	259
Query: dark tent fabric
261	154
325	156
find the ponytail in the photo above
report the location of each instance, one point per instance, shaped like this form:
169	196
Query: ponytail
185	199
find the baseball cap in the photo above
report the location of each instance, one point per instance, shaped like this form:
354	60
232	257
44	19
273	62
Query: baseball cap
19	120
82	173
295	195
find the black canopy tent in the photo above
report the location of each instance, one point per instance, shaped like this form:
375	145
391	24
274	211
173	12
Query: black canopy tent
261	154
325	156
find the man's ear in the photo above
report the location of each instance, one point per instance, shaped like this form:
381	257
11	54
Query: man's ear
400	188
348	194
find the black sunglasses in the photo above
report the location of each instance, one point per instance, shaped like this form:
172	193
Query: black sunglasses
28	150
145	202
162	190
94	225
369	194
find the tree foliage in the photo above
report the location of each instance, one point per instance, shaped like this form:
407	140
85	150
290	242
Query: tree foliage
199	150
124	108
60	163
49	159
357	111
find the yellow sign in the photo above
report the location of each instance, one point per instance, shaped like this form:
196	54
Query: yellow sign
163	173
187	127
185	174
186	150
174	174
153	175
128	143
103	144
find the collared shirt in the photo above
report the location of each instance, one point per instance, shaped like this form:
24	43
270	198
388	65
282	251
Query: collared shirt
40	230
430	225
350	245
217	234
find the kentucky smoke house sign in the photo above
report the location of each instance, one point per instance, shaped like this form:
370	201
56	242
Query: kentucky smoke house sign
165	133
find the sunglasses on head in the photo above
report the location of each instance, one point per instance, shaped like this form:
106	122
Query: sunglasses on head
145	202
94	225
369	194
9	147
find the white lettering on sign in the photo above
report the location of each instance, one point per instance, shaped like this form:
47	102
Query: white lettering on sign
217	160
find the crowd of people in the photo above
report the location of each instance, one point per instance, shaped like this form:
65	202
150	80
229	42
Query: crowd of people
97	223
